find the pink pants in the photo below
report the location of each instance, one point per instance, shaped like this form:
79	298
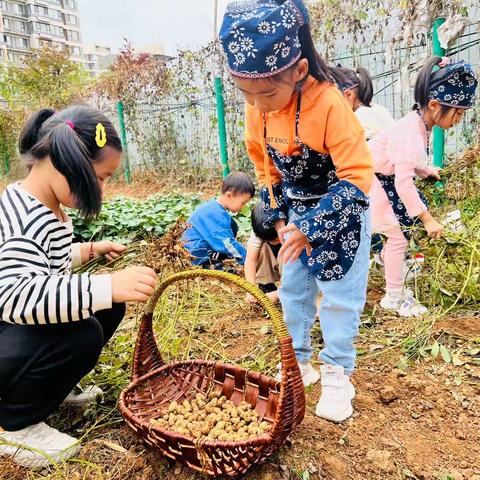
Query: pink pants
385	222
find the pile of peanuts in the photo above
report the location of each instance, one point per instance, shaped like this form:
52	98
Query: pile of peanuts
213	417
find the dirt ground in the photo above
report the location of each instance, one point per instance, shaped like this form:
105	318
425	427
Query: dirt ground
420	422
148	183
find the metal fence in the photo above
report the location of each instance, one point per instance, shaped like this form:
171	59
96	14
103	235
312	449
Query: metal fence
393	86
170	133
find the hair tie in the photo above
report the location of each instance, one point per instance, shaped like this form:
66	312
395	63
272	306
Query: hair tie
444	62
70	124
100	135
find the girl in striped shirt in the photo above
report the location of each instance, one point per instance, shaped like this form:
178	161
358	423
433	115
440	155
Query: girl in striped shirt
54	324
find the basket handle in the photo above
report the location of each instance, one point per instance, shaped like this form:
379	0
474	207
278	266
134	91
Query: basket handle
147	356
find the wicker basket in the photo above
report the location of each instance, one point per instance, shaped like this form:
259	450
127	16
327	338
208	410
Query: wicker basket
156	384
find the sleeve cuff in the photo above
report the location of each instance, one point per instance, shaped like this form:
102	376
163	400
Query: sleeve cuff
76	255
101	289
415	213
424	172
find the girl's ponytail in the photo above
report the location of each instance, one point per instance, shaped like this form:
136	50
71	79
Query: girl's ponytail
70	157
31	130
74	140
422	84
365	87
358	79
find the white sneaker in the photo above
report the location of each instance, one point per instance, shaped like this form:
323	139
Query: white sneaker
335	403
88	395
405	305
309	375
37	446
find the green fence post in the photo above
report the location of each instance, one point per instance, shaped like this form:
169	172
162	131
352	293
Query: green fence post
222	132
438	133
123	136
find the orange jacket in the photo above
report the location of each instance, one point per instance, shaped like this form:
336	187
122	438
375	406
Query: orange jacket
327	125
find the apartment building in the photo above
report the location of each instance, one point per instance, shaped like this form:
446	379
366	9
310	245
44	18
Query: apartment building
29	24
97	58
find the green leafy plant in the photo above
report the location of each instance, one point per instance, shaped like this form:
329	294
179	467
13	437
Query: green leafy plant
126	219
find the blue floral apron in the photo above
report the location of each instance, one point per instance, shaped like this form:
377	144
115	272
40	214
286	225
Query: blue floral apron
327	210
388	184
406	222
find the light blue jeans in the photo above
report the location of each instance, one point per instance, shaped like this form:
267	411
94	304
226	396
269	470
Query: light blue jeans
342	304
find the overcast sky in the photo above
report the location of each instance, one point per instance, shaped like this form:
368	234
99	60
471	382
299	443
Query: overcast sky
169	23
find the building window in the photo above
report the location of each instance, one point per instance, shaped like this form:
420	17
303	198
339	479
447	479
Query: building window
71	4
42	27
7	39
57	30
56	14
6	23
22	26
39	10
15	58
72	19
24	43
73	35
14	8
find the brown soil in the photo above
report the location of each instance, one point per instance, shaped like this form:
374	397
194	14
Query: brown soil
415	425
423	423
148	182
467	327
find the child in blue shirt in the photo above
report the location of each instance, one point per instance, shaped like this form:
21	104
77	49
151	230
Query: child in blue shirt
211	235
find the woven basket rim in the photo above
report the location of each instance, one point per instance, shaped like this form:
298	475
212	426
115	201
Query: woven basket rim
179	363
264	439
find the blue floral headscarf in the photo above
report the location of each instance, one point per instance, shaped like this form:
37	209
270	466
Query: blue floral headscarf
260	37
454	85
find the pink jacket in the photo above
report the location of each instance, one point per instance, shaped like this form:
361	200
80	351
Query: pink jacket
401	151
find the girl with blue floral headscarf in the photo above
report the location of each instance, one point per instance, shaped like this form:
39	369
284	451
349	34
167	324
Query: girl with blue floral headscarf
400	153
311	158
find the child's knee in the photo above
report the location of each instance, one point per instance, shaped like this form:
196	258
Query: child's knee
397	240
87	343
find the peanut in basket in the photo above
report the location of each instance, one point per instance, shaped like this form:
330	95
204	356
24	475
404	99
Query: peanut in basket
213	418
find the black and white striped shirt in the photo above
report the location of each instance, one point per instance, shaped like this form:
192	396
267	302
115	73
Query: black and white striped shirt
36	284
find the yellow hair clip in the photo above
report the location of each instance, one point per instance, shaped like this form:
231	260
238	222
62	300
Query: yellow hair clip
100	135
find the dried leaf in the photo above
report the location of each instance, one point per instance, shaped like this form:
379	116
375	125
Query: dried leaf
112	446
